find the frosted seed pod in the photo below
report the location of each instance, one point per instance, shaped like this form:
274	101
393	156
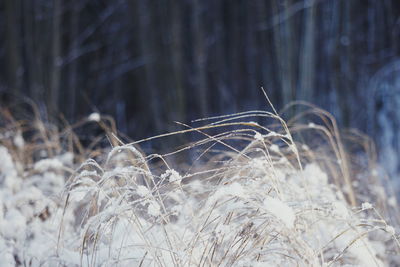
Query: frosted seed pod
258	136
94	117
366	206
390	229
274	148
172	175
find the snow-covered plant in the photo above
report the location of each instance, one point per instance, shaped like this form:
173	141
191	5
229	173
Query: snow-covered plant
289	194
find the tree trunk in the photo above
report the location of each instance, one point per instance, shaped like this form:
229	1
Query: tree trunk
73	65
53	93
307	55
199	53
12	46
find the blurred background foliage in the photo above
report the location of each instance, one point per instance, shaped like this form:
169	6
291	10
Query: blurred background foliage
149	63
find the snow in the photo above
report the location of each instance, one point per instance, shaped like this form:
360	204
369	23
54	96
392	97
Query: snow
392	201
7	167
154	209
390	229
274	148
6	254
94	117
280	210
13	225
19	141
46	164
305	147
8	172
229	190
172	175
258	136
248	213
366	206
143	191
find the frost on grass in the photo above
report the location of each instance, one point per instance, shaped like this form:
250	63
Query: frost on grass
28	217
261	206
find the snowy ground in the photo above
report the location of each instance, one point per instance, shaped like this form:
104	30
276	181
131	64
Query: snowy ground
260	206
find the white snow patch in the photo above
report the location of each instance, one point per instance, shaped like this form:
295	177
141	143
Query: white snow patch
19	141
366	206
258	136
94	117
172	175
340	209
6	254
153	209
13	225
280	210
143	191
314	175
233	189
390	229
47	164
392	201
275	148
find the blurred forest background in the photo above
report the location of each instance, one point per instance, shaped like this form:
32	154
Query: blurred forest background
149	63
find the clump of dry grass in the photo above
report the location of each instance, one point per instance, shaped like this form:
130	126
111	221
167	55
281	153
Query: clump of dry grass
290	193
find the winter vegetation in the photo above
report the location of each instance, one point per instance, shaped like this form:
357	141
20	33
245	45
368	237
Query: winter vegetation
285	193
181	60
255	188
